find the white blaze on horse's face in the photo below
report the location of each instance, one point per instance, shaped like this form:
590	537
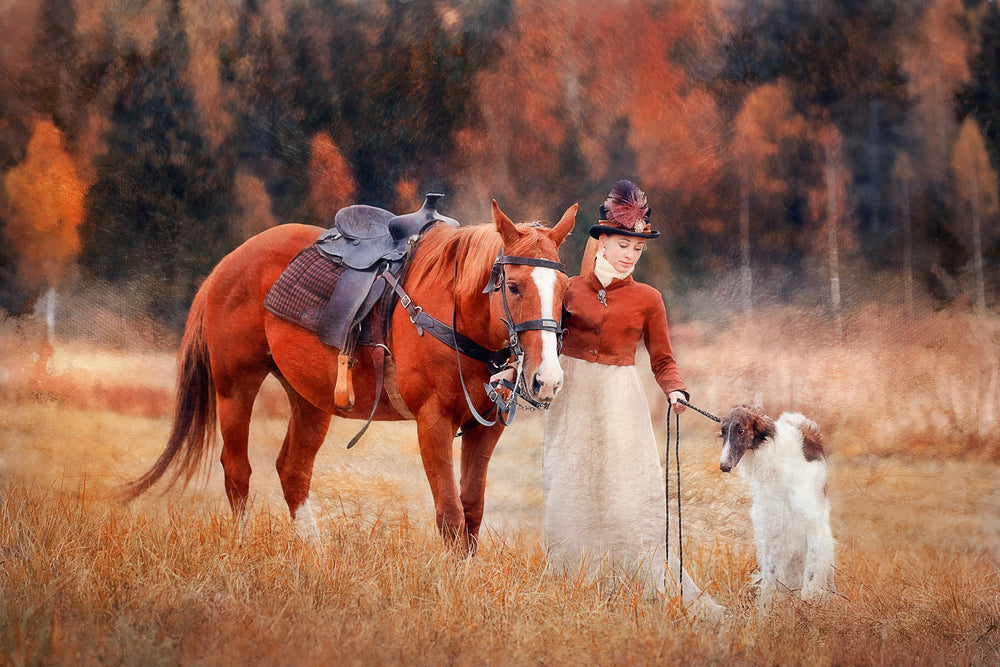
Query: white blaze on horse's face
549	376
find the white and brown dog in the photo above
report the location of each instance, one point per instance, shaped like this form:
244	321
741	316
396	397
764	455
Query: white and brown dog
784	464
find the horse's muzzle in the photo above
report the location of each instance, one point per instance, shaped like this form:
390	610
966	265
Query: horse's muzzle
544	391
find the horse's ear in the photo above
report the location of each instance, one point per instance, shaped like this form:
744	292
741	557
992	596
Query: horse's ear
564	226
504	225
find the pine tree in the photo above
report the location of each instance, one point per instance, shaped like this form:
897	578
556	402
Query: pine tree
157	213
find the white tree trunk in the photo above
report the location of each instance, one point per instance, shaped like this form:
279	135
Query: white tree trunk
834	232
745	271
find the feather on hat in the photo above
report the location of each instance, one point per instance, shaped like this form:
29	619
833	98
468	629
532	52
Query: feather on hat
626	212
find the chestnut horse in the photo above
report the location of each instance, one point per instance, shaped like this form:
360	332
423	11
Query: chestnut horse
231	343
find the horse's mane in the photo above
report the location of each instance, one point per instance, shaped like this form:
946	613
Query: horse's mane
475	247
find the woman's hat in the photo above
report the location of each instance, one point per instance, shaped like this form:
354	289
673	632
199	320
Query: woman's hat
625	212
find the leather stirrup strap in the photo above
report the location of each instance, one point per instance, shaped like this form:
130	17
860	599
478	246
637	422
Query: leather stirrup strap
378	364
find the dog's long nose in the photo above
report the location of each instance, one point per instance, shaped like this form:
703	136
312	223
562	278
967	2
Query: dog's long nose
726	462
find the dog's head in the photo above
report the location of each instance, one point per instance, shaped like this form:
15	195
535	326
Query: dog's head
743	429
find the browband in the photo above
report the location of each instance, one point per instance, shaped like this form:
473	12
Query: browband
522	261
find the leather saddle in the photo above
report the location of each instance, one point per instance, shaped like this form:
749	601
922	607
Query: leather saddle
366	240
363	235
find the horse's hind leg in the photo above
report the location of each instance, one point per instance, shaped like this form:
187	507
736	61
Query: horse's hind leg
306	431
235	401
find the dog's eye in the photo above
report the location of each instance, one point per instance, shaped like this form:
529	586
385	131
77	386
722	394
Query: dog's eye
740	431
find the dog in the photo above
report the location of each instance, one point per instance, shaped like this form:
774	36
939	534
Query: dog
784	463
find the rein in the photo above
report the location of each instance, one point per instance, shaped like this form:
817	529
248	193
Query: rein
666	483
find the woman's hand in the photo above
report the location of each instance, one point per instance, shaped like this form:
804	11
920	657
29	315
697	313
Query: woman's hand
673	397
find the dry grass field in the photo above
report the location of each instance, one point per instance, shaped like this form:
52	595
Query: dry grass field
909	411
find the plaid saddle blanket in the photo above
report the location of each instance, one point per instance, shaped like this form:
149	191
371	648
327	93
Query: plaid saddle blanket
304	288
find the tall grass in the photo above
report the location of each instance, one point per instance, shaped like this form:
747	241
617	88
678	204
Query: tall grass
83	582
172	579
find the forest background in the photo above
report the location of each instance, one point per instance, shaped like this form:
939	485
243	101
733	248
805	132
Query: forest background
824	154
825	178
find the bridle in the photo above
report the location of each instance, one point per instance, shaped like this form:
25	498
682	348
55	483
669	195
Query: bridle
496	360
506	408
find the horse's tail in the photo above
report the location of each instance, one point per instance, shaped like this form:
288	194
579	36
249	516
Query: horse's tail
193	431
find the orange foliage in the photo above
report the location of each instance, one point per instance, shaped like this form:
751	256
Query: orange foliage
828	199
674	125
255	206
765	121
936	65
581	67
407	197
331	184
46	200
975	179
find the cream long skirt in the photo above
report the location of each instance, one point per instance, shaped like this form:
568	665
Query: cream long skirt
603	487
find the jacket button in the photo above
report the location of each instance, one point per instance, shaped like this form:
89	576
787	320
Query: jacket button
593	352
597	331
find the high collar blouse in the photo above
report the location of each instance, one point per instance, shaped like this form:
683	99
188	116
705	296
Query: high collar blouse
609	334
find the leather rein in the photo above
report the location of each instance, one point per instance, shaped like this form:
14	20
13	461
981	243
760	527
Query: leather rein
495	360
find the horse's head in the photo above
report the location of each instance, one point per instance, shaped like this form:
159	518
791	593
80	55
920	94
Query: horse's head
529	297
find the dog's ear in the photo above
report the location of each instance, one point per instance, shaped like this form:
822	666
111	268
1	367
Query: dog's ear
763	426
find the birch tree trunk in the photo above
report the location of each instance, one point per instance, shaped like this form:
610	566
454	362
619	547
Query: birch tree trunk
746	274
833	227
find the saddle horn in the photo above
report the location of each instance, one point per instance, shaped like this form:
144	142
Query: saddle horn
402	227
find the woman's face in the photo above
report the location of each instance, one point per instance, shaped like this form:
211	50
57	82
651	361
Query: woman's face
622	252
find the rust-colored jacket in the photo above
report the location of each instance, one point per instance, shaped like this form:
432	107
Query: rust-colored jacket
610	335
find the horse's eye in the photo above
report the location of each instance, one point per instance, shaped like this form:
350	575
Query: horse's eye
513	288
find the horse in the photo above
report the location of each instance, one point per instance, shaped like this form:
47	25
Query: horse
231	343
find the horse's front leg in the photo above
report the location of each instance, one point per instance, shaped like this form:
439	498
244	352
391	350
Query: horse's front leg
436	434
477	447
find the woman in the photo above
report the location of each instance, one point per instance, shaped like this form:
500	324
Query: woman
603	485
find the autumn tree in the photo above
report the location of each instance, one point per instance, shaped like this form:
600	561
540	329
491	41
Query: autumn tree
331	184
976	187
586	93
935	60
840	58
833	195
46	201
764	128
